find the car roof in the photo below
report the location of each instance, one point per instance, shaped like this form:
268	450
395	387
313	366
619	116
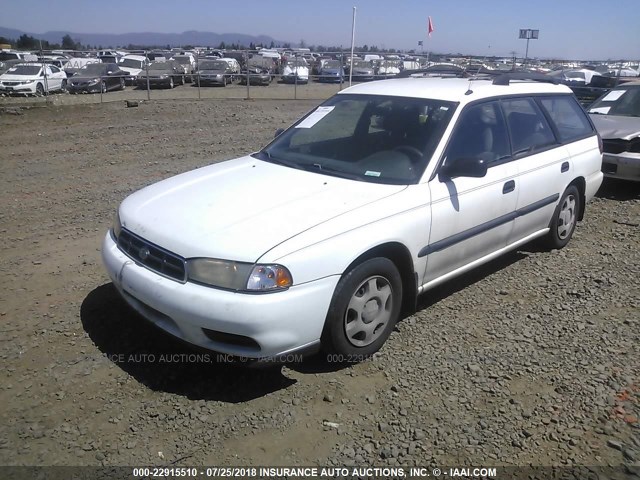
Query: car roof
453	89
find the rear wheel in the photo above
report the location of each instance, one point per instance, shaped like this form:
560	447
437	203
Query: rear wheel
564	220
363	312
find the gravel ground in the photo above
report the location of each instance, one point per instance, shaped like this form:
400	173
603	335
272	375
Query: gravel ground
531	360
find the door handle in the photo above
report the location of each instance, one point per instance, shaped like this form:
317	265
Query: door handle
510	186
564	167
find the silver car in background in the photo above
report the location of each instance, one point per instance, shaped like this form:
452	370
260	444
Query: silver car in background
616	116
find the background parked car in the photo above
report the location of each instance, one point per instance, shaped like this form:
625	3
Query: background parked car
188	63
74	65
362	71
330	71
214	72
7	64
166	74
33	79
295	70
258	74
97	77
132	65
616	116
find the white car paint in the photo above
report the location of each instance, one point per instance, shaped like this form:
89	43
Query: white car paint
316	225
49	77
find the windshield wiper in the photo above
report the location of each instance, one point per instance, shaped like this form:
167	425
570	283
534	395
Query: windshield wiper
332	171
279	161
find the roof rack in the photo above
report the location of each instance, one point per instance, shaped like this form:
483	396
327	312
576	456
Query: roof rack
505	78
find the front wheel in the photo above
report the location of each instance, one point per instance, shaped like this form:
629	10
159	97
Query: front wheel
564	220
63	86
364	310
171	85
39	90
122	84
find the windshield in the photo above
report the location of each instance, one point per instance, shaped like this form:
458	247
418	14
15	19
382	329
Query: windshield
213	65
331	64
24	70
132	63
624	102
361	64
94	69
182	60
299	62
372	138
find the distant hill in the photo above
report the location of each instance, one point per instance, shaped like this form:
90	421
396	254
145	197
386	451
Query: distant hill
192	37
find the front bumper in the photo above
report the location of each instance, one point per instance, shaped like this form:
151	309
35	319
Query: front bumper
278	324
18	89
624	166
155	82
86	88
212	80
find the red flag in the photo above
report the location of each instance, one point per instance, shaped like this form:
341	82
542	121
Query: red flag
430	28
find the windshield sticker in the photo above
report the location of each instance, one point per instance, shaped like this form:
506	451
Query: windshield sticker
370	173
614	95
315	117
603	110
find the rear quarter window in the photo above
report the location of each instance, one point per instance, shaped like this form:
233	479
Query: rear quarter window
570	120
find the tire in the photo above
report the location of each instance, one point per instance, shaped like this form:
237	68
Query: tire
63	87
171	84
363	312
122	85
39	90
564	220
103	87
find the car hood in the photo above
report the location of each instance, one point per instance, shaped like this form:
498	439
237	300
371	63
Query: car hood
132	71
616	126
7	77
84	78
242	208
213	72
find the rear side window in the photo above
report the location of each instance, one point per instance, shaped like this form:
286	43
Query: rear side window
528	126
568	117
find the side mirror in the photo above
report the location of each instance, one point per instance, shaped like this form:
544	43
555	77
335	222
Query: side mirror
464	167
278	132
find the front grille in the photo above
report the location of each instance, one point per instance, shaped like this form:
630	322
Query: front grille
151	256
11	84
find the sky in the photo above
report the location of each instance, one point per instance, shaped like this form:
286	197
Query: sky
569	29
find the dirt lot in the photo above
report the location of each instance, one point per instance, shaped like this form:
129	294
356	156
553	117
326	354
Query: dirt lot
534	359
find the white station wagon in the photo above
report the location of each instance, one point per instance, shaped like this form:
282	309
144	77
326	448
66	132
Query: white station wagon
327	235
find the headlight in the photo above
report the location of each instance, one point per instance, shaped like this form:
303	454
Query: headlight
269	277
94	80
238	275
117	225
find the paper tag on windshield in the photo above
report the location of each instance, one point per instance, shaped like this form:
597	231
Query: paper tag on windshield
315	117
613	95
603	110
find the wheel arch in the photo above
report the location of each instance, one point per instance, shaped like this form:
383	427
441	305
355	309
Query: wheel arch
581	185
399	254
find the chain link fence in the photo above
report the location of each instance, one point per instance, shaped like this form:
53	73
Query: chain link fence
239	74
